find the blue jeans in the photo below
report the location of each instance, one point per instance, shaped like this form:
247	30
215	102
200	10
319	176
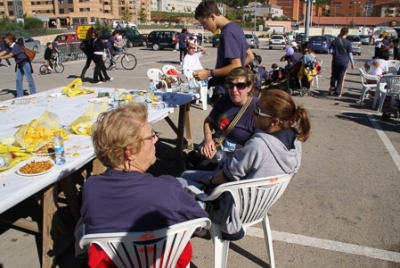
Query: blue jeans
27	71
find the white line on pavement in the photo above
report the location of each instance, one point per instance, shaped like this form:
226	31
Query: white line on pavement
327	244
385	140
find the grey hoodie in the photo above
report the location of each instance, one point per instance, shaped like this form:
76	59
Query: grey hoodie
263	155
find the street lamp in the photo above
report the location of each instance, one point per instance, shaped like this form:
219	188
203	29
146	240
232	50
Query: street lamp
334	21
355	10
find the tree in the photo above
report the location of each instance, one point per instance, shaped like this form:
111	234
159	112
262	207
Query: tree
142	15
127	14
32	23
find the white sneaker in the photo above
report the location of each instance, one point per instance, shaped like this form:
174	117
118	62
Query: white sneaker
109	80
98	83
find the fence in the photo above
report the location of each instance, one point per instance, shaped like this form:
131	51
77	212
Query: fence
71	51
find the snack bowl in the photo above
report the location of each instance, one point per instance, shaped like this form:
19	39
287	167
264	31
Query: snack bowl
35	166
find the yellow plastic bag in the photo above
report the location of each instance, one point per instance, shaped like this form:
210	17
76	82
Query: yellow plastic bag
83	124
39	132
18	157
75	88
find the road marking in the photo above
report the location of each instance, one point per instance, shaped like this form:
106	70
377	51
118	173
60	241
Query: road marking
385	140
327	244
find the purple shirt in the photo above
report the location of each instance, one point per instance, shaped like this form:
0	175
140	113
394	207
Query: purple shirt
19	55
116	201
224	111
232	45
182	39
341	52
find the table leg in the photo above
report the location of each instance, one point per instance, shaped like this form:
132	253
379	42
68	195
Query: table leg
181	130
71	196
188	129
49	234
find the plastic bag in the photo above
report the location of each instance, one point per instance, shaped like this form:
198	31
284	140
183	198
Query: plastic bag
39	131
75	88
83	124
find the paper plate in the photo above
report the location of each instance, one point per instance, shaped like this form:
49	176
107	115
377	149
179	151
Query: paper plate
36	160
55	95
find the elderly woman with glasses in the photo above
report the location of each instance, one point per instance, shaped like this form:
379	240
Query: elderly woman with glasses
126	198
274	149
239	84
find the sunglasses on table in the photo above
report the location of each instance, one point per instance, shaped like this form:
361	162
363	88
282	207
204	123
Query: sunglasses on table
257	112
239	86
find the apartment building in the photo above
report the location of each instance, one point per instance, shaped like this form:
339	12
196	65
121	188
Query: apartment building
68	12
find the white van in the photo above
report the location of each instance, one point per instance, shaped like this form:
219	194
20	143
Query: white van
120	24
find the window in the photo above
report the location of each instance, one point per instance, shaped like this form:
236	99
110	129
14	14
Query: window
11	12
70	9
32	3
61	10
70	1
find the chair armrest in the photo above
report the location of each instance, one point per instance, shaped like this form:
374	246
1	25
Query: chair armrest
202	195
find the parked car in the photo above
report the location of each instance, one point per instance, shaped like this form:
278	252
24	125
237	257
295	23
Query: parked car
330	37
319	43
277	41
29	42
355	43
67	42
161	39
252	41
133	36
299	39
391	32
215	40
120	24
365	39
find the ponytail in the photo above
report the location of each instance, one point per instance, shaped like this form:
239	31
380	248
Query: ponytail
302	124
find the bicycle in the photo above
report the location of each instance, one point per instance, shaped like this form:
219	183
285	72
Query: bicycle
57	67
128	60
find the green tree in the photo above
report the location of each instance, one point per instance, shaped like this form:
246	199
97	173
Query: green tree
142	16
32	23
127	14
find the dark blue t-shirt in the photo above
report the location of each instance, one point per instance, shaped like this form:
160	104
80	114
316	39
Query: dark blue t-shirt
99	45
19	55
232	45
182	40
341	52
224	111
118	201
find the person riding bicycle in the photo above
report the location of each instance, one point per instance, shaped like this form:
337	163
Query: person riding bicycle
49	55
112	41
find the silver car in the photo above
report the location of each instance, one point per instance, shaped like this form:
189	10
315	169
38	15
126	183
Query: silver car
277	41
355	43
252	41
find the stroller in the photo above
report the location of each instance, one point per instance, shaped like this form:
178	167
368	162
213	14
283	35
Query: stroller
293	83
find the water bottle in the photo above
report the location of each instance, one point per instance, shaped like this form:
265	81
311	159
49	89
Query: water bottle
149	96
191	86
59	149
5	159
115	98
152	87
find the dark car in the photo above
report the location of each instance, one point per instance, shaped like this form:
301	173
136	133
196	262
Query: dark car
319	43
133	36
299	39
330	37
215	40
161	39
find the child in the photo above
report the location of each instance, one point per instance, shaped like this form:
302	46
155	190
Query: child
48	55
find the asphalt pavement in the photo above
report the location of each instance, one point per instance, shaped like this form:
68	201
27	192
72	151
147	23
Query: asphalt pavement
341	210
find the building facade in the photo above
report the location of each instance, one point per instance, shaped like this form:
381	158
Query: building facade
61	13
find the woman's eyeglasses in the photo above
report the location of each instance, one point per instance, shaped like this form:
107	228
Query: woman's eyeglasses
257	111
239	86
154	135
191	47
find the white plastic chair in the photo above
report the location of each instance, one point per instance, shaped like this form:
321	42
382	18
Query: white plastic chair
203	89
393	66
156	75
168	67
365	86
253	198
141	249
392	84
317	76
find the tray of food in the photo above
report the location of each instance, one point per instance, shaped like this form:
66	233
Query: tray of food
36	167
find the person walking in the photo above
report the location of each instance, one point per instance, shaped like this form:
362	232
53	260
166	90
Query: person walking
98	50
90	34
23	65
233	50
182	41
342	53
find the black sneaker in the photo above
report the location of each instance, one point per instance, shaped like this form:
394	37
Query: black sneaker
331	91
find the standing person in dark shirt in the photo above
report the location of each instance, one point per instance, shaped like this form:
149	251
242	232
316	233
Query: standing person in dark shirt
233	50
341	55
23	65
125	198
90	35
98	50
183	41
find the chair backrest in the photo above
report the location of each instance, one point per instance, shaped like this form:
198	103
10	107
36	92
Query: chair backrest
392	84
254	197
167	67
188	72
154	74
160	248
367	77
393	66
